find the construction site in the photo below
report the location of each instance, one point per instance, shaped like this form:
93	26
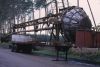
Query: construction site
49	33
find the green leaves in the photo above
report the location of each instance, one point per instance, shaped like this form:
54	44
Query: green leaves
11	8
41	3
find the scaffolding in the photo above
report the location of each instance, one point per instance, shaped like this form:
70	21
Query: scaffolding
49	25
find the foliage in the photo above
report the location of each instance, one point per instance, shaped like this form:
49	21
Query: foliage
11	8
42	3
97	28
93	57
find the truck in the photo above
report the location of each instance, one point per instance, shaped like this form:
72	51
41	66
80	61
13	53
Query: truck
21	43
71	20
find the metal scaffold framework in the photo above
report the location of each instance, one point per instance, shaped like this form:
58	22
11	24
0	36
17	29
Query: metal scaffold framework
50	25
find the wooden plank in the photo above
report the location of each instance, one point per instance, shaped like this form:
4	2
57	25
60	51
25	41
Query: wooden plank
41	29
34	22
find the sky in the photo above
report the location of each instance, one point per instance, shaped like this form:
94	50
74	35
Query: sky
95	6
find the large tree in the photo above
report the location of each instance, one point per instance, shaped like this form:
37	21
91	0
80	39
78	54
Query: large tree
42	3
11	8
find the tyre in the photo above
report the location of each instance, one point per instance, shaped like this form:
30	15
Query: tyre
13	49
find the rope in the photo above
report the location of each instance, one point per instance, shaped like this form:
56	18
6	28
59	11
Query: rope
78	3
68	3
63	4
91	13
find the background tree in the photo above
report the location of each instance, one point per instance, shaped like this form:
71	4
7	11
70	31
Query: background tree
11	8
42	4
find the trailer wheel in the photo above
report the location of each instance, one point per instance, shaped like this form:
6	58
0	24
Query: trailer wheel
17	47
27	49
13	48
